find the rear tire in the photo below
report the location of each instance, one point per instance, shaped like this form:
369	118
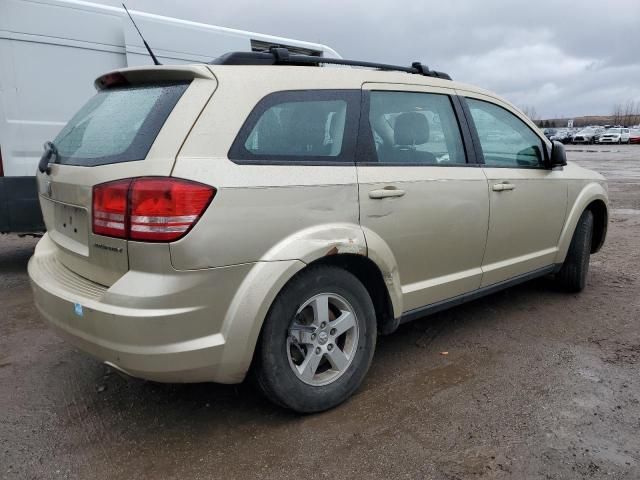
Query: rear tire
572	277
293	333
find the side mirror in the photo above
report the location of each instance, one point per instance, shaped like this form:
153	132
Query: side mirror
558	155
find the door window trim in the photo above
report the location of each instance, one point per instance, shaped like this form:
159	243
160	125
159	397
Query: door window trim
477	146
240	155
366	146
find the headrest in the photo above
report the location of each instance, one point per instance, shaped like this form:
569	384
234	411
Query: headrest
411	128
307	129
270	133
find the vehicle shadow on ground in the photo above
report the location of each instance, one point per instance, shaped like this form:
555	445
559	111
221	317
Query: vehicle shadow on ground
169	409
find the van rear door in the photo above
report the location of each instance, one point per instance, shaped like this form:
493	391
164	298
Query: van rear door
134	126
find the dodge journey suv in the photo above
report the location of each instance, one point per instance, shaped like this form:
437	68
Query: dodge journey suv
268	215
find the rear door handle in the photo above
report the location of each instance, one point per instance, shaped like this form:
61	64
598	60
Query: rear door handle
386	192
501	187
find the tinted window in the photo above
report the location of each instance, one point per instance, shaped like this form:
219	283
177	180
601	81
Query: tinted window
505	139
307	128
410	127
300	126
117	125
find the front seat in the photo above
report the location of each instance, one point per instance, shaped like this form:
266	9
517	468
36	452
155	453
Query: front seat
411	130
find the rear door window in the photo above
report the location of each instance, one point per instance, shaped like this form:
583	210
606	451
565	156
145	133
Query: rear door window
415	128
293	127
117	124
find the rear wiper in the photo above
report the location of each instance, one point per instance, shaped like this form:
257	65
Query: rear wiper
50	155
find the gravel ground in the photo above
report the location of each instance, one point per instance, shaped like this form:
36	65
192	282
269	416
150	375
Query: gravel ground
536	384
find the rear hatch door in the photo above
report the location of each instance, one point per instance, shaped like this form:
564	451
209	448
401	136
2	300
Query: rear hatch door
134	126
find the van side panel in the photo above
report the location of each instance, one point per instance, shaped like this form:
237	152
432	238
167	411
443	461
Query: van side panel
44	79
50	53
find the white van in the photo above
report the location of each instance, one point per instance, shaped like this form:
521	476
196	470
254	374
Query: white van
50	53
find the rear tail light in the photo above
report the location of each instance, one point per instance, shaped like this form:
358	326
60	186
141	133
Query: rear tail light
110	208
152	209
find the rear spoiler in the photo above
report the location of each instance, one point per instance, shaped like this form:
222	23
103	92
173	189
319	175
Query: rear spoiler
164	73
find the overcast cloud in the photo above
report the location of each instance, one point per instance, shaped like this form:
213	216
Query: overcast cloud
565	58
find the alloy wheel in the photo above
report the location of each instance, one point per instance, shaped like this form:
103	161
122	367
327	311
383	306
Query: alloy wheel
322	339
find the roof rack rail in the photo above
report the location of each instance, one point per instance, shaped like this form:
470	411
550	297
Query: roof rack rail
282	56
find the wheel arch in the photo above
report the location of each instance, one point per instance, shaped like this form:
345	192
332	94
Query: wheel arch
342	245
592	197
353	247
600	222
371	277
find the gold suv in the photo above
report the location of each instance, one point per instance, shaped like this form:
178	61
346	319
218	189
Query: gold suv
264	214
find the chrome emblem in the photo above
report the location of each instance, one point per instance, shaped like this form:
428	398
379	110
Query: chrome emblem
323	337
109	248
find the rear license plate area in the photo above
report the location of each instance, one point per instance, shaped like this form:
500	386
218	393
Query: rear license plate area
71	227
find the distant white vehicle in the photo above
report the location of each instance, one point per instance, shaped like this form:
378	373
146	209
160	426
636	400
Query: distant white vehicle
614	135
61	46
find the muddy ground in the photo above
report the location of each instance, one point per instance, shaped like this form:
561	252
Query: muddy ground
536	384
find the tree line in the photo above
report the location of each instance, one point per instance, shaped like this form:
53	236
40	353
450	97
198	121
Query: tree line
626	113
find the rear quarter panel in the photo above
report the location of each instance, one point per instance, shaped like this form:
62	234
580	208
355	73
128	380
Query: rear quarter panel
262	212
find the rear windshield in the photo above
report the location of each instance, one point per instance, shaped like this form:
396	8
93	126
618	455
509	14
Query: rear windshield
117	124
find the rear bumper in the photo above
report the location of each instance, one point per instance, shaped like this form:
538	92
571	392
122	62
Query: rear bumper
181	326
19	206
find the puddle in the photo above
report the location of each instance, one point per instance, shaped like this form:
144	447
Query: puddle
625	211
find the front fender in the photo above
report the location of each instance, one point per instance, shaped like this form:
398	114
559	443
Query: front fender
589	193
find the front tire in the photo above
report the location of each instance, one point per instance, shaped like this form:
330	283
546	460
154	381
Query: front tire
572	277
317	341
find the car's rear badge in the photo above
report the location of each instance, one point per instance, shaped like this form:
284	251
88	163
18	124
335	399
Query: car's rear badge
102	246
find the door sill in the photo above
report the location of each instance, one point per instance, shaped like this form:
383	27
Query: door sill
475	294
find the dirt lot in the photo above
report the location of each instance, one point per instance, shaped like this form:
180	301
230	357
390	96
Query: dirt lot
536	384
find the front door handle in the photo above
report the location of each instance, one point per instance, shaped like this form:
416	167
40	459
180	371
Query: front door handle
386	192
501	187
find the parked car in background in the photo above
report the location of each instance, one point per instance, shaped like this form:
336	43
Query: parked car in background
634	136
549	132
614	135
562	135
587	135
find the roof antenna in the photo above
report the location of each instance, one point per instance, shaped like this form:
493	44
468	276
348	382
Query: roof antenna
153	57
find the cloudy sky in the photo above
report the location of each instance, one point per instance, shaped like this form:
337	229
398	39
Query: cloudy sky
565	58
